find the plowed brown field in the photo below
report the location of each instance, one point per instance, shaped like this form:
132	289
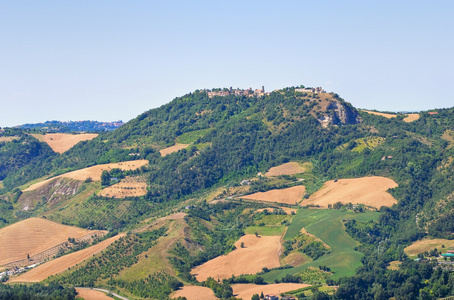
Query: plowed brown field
290	195
192	292
93	172
62	263
388	116
62	142
33	236
125	189
174	148
246	291
289	168
258	252
411	117
370	191
88	294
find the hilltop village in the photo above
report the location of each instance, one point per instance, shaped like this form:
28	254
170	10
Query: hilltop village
255	93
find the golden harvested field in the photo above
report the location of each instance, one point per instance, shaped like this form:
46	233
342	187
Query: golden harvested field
129	187
62	142
388	116
192	292
411	117
88	294
370	191
246	290
289	168
427	245
258	252
174	148
8	138
291	195
62	263
92	172
35	235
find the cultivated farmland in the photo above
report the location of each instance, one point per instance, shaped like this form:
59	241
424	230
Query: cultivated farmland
246	291
411	117
326	225
370	191
427	245
62	142
129	187
93	172
388	116
89	294
62	263
258	252
192	292
290	195
174	148
289	168
35	236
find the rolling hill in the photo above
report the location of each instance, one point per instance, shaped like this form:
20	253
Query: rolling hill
199	156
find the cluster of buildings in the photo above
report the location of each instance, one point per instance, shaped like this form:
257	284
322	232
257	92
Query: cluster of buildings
238	92
311	90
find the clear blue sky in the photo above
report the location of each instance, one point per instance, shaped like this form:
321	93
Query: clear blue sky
111	60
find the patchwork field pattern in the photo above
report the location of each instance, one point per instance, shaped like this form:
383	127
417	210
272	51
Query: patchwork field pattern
258	252
370	191
62	142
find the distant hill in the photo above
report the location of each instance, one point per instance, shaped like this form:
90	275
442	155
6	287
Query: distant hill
72	126
204	152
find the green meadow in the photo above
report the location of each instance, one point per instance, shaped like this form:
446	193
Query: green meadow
327	225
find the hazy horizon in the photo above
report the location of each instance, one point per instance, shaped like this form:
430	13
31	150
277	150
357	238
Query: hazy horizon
109	61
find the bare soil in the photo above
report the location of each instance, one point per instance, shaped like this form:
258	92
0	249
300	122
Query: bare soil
129	187
195	293
62	142
62	263
370	191
411	118
93	172
289	168
35	235
258	252
246	290
291	195
174	148
388	116
88	294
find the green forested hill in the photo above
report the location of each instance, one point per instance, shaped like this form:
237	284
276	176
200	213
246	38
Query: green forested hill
232	138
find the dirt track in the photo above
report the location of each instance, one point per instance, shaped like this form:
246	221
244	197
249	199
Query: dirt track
258	252
370	191
288	196
61	264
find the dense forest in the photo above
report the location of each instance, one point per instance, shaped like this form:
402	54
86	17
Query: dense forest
232	138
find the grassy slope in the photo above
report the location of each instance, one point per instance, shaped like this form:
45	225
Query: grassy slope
327	225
